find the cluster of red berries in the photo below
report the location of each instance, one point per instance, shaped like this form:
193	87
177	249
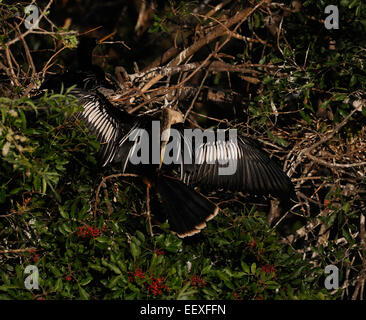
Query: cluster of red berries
156	286
198	281
36	257
238	294
268	269
137	273
90	231
252	244
159	252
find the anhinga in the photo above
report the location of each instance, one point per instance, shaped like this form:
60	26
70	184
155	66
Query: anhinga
187	210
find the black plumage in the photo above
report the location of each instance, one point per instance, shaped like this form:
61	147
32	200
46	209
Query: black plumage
86	76
186	209
255	173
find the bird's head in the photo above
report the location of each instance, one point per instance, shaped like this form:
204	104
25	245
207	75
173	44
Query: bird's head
170	117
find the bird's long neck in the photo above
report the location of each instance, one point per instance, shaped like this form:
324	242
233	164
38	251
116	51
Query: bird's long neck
168	118
85	55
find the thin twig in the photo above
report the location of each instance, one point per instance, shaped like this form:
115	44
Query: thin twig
104	179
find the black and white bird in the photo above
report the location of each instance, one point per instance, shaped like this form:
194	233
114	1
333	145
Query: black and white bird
186	209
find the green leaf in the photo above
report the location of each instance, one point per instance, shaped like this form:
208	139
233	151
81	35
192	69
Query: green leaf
84	295
245	267
135	250
347	235
308	85
346	207
223	276
86	281
58	285
111	266
103	239
44	185
63	213
277	139
253	268
140	235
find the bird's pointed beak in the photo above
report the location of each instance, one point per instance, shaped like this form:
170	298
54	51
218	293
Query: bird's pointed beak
162	153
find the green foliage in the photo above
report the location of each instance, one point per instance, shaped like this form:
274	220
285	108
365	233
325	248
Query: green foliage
158	25
231	261
49	176
47	190
317	68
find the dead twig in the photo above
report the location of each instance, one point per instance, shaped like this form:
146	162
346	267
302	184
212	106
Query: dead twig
219	31
104	179
31	250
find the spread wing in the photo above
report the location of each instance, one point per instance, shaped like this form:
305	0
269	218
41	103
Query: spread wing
252	171
111	126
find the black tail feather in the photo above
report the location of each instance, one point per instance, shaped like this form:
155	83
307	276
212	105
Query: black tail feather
187	210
